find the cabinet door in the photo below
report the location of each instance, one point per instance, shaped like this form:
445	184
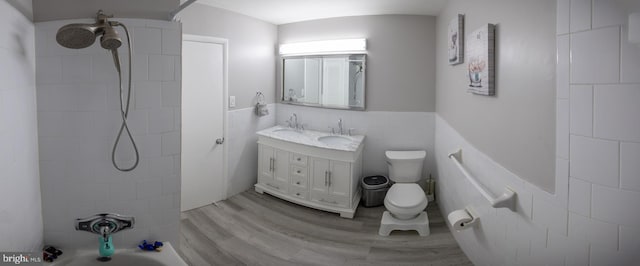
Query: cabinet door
265	163
339	178
281	167
319	175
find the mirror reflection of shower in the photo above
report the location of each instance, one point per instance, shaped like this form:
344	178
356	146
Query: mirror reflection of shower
357	68
78	36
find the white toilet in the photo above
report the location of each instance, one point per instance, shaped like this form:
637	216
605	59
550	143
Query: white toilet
405	200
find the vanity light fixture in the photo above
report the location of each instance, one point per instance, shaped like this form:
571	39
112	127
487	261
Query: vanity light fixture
344	46
634	28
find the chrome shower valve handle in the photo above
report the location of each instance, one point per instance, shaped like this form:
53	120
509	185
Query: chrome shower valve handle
105	224
111	222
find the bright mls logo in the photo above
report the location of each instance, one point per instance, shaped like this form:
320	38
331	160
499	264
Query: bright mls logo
20	258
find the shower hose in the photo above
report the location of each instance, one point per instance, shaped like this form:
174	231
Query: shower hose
124	107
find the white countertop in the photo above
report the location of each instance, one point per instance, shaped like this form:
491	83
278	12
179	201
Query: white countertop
310	138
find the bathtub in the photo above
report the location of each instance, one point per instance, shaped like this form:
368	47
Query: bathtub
123	257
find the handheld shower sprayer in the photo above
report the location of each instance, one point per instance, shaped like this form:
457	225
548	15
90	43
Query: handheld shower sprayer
78	36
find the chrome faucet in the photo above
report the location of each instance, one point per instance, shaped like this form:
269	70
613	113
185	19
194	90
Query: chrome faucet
293	122
105	224
340	127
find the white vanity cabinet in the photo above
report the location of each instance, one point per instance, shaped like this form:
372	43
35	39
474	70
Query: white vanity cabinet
330	181
316	176
273	168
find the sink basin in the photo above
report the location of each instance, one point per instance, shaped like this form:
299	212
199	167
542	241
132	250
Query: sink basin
312	138
335	140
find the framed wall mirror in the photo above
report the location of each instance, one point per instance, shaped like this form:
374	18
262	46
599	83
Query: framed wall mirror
329	81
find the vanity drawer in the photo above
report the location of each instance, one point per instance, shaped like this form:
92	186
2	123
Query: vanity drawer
299	182
332	200
298	171
300	193
298	159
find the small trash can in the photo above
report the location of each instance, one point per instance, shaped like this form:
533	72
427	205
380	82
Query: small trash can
374	189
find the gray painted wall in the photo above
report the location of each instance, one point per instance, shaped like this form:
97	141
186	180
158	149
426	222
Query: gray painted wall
251	49
401	56
46	10
517	126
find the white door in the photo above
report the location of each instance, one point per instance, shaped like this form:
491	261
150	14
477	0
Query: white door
202	123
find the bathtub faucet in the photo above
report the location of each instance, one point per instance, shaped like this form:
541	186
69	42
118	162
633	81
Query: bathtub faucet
105	224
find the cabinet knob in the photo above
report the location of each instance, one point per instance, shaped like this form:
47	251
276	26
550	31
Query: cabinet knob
297	194
299	159
298	183
298	171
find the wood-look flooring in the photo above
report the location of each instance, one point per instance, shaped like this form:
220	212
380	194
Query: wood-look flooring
259	229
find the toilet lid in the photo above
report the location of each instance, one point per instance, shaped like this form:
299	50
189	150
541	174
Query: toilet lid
406	195
405	155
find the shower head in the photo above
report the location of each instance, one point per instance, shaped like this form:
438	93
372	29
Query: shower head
110	39
77	36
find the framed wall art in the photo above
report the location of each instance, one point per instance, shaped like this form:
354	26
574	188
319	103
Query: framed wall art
455	40
480	60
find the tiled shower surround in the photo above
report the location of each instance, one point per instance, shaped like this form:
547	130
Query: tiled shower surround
78	120
593	216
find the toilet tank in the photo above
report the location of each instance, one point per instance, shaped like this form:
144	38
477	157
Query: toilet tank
405	166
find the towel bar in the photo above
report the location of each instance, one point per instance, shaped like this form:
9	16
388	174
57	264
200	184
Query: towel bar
506	200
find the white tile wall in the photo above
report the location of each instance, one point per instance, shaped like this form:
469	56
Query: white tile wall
20	204
580	15
629	60
592	217
563	22
607	14
147	94
595	56
562	128
148	40
581	113
597	233
609	256
629	239
549	215
595	160
78	120
562	66
607	205
76	68
161	67
630	166
615	112
49	69
580	197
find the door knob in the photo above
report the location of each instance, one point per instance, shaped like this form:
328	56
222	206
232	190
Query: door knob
220	141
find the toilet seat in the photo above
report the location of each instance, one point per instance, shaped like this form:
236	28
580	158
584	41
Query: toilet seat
405	200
